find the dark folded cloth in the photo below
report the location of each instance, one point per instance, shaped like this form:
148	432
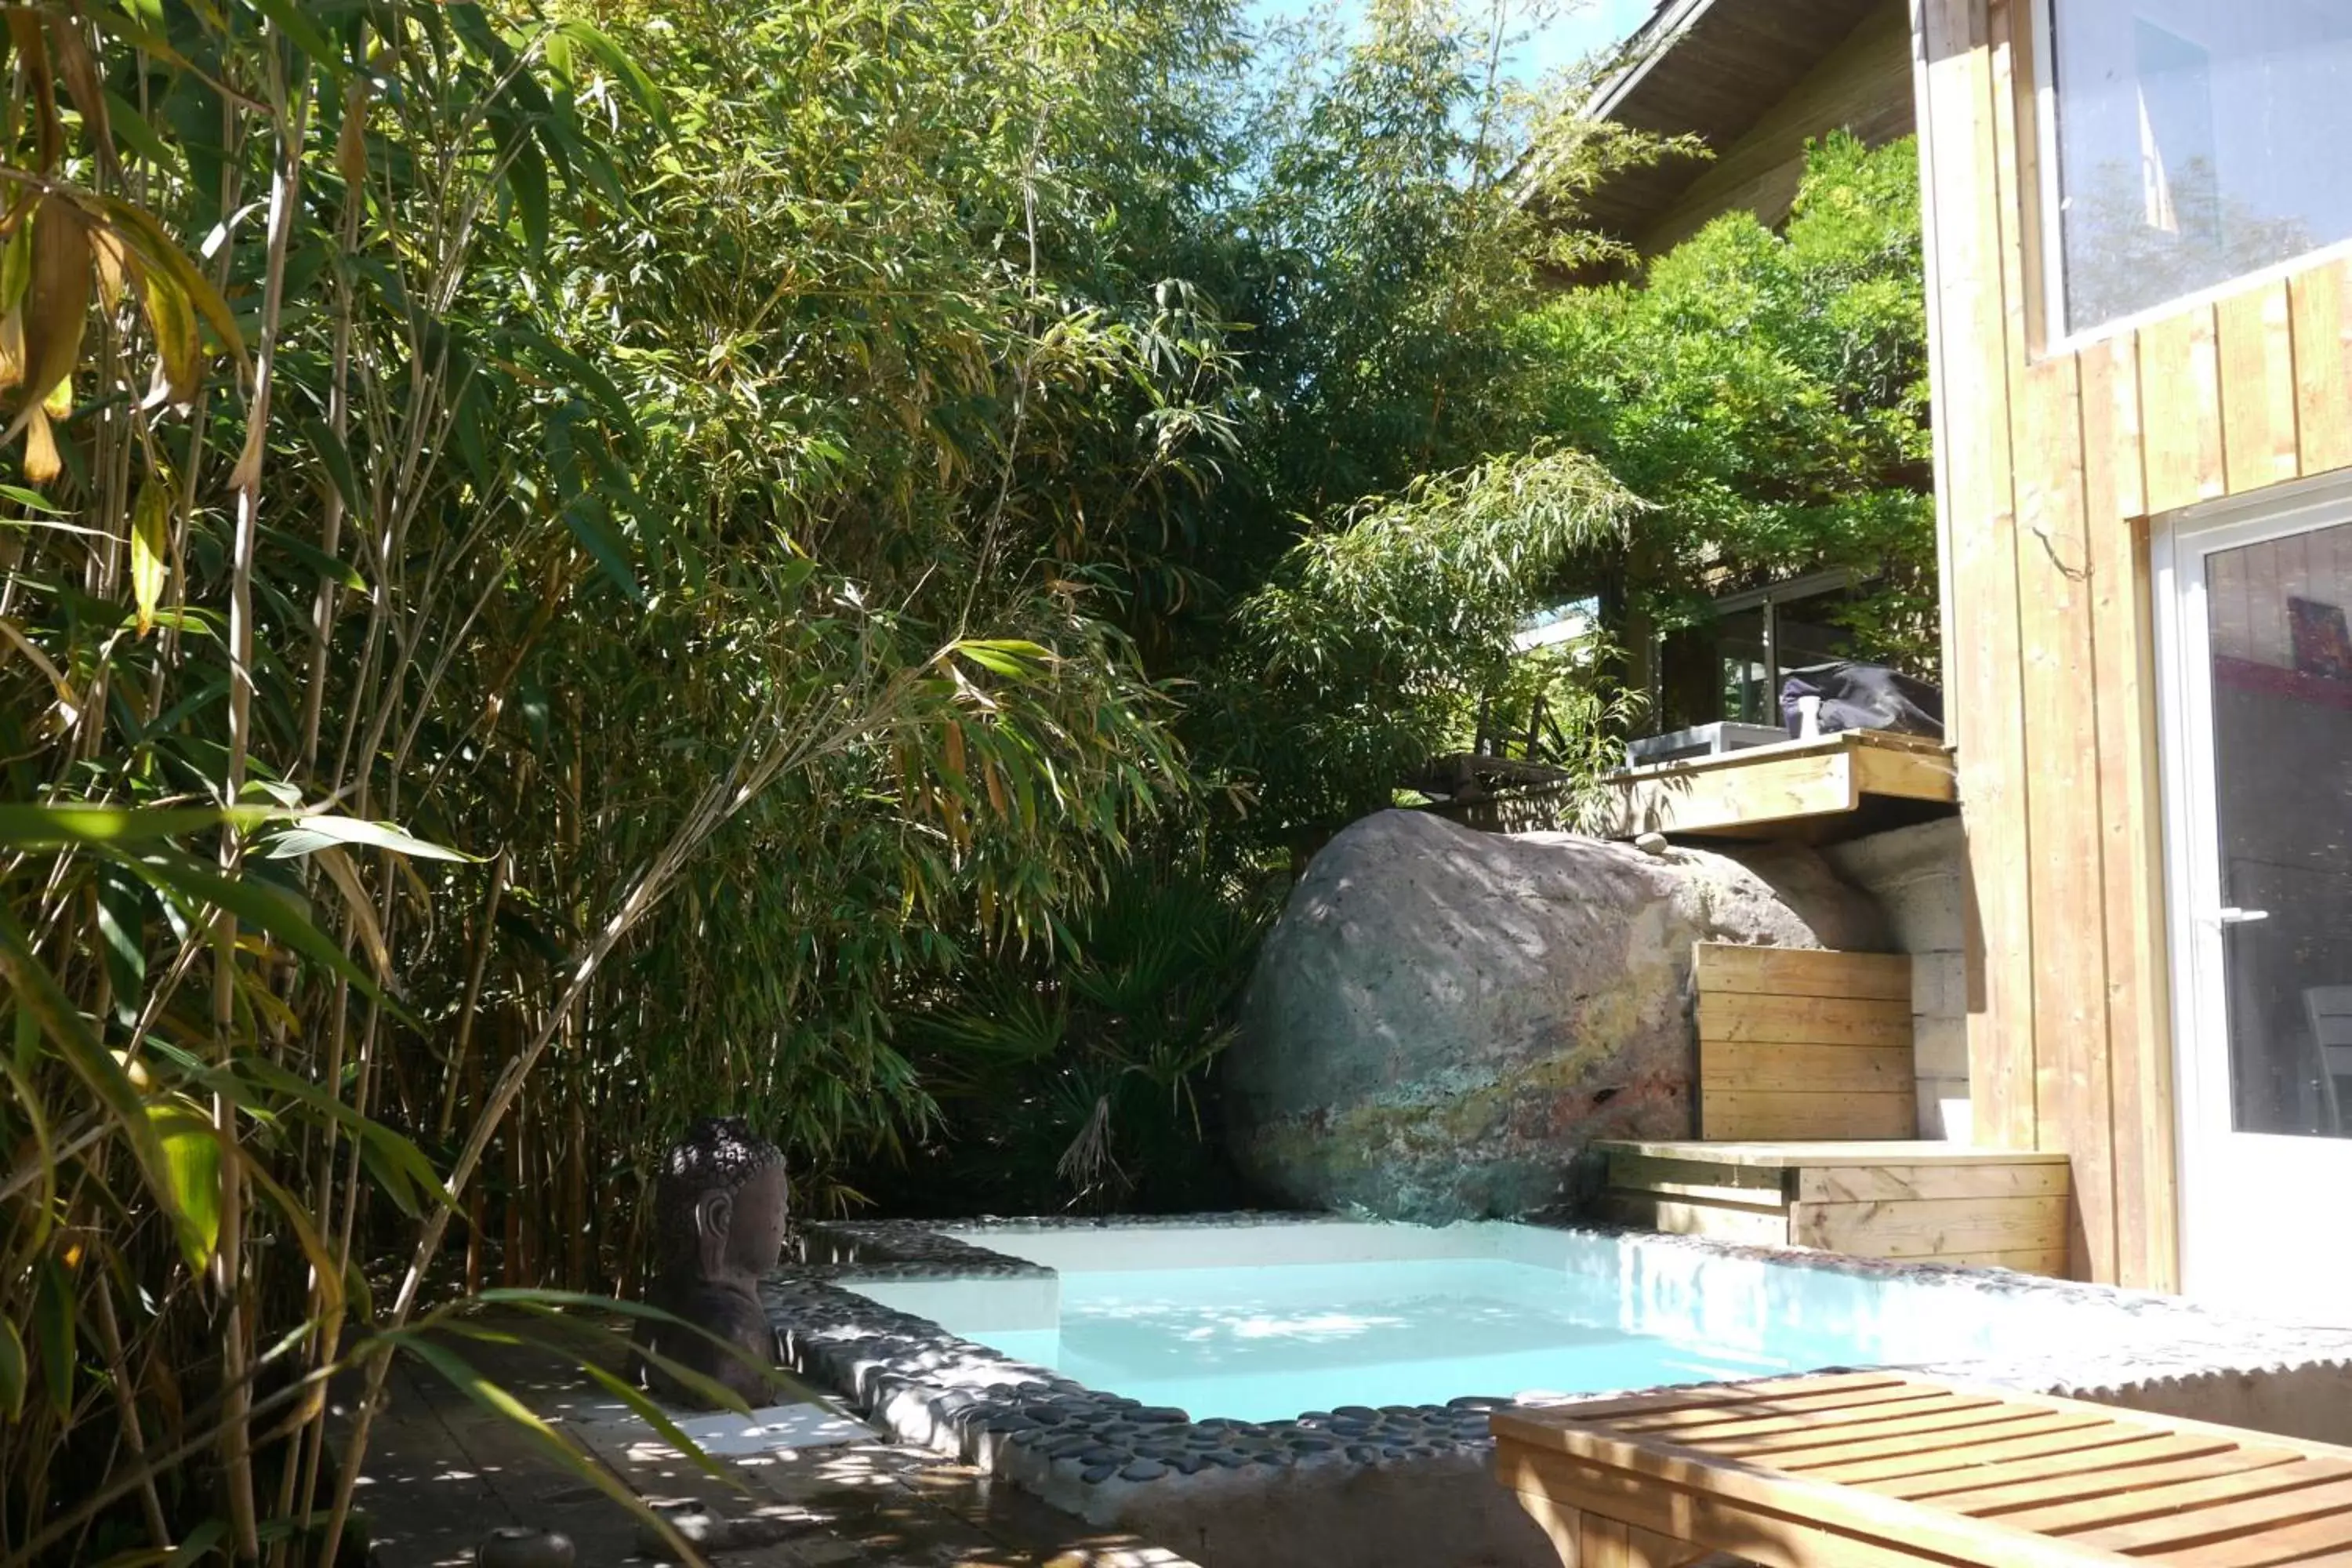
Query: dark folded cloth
1863	697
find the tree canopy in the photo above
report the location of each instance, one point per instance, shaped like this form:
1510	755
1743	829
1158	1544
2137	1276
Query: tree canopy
1766	391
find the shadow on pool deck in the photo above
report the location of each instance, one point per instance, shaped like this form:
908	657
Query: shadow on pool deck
441	1474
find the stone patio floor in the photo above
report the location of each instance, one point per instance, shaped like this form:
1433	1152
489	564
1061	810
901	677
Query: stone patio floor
441	1473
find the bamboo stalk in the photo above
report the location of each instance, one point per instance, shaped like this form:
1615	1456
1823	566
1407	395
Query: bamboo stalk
236	1459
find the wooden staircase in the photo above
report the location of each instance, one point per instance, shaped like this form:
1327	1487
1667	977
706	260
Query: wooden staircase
1808	1111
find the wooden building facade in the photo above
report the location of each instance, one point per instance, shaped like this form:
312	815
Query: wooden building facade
2082	470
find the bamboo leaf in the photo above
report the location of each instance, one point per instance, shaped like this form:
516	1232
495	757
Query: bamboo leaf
527	178
326	1276
151	546
197	1543
305	37
331	858
308	835
56	308
395	1149
192	1163
315	559
587	523
121	931
36	990
655	1416
615	58
179	348
263	908
153	248
36	1115
337	460
98	826
550	1304
1005	657
130	129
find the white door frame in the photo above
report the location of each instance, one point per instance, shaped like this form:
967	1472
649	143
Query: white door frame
2204	1138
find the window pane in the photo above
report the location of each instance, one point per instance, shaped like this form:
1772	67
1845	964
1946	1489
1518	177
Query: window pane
2197	140
2282	793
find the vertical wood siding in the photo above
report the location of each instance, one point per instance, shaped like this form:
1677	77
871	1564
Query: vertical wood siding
2048	466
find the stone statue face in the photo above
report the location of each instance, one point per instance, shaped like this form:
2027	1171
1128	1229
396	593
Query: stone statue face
741	1232
720	1210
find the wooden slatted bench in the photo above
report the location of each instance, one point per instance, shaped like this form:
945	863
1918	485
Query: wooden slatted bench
1875	1469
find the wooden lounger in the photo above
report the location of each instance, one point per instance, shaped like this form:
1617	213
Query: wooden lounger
1865	1469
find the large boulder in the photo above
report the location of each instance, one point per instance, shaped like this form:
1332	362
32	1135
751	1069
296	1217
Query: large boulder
1443	1018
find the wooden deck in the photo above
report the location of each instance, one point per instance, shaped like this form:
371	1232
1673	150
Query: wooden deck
1919	1202
1878	1471
1809	789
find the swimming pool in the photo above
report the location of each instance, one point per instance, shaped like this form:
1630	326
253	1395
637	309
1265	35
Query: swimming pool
1106	1366
1266	1323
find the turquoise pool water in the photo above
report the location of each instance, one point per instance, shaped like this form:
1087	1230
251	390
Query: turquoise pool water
1266	1321
1266	1343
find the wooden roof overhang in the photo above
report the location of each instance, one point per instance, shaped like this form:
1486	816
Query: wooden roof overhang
1712	69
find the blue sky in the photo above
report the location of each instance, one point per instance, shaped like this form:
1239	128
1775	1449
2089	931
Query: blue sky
1582	26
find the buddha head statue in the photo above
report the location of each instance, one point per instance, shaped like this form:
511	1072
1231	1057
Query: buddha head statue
720	1202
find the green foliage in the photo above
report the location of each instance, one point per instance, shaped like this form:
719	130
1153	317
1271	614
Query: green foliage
1377	638
1079	1074
588	471
1767	393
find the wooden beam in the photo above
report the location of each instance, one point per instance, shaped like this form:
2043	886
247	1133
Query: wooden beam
1738	1017
2255	352
1789	1153
1762	1114
1723	967
2139	1045
1897	1184
1931	1228
1704	1179
2322	367
1976	519
1734	1066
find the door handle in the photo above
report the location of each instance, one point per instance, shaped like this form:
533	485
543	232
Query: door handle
2238	917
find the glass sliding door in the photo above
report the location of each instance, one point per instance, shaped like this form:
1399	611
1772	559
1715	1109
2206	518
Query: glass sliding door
2260	769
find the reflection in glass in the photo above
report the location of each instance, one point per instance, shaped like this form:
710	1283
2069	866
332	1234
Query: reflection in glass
2197	140
2282	673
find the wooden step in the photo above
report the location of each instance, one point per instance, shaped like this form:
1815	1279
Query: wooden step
1921	1201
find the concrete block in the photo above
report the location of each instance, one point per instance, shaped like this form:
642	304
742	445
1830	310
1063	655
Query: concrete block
1939	984
1939	1048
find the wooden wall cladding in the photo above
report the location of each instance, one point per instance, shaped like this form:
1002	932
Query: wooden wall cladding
1800	1044
2048	465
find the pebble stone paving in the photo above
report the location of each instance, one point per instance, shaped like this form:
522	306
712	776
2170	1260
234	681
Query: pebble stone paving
441	1474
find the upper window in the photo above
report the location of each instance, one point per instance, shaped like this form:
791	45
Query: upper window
2197	140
